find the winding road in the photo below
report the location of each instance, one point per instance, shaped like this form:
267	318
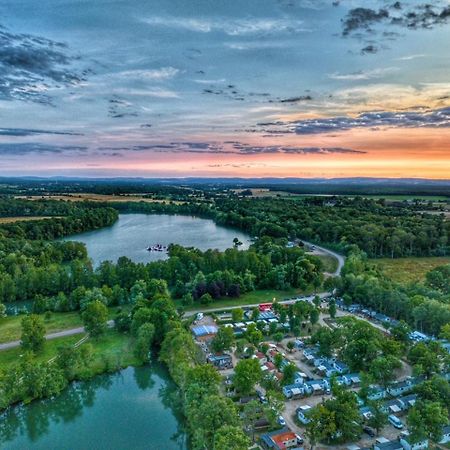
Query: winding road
322	250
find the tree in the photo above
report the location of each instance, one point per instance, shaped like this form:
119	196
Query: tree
278	337
426	420
254	335
144	341
314	316
237	314
187	299
223	340
332	308
255	313
230	437
290	345
246	374
33	333
289	371
251	414
321	426
379	418
2	310
123	322
317	301
95	318
445	332
382	369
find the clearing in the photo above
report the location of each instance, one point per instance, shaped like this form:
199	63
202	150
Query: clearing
405	270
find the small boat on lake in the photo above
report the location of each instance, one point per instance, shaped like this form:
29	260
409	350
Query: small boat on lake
157	248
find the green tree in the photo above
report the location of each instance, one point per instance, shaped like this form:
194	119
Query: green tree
379	418
223	340
237	314
322	425
382	369
254	335
246	374
95	318
230	437
290	346
426	420
314	316
289	371
332	308
144	341
33	333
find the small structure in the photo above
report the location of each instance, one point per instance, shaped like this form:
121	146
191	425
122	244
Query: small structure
279	440
385	444
407	444
403	387
204	331
445	435
302	414
221	362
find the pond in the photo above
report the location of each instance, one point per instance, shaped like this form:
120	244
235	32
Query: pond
129	409
132	234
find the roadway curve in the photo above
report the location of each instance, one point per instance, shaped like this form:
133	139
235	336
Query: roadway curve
340	258
80	330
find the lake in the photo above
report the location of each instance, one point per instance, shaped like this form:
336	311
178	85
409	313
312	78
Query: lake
133	233
130	409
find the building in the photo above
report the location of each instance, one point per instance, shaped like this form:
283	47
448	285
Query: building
402	387
204	332
221	362
407	401
385	444
409	445
352	379
376	393
445	435
279	440
302	414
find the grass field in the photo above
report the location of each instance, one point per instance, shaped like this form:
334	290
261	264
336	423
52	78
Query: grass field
114	349
22	218
330	263
10	328
261	296
406	270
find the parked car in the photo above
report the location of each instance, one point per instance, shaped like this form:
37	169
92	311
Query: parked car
299	439
369	431
281	421
395	422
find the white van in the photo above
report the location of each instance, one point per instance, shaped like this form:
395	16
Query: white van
395	422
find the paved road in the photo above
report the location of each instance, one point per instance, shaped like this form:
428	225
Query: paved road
340	258
58	334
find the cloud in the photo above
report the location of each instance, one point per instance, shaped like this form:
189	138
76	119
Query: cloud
233	27
162	74
31	65
301	98
362	18
32	132
419	16
233	148
20	149
439	118
364	74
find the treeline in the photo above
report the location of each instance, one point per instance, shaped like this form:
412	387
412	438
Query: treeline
426	307
377	229
74	220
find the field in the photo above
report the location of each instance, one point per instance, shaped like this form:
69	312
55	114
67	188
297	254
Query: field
330	263
22	218
405	270
97	198
114	349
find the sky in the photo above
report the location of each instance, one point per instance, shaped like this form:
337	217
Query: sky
225	88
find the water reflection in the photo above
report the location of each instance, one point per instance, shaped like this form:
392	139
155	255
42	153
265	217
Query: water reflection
141	398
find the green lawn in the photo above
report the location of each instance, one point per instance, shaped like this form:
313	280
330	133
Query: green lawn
261	296
330	263
114	349
13	355
405	270
10	329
